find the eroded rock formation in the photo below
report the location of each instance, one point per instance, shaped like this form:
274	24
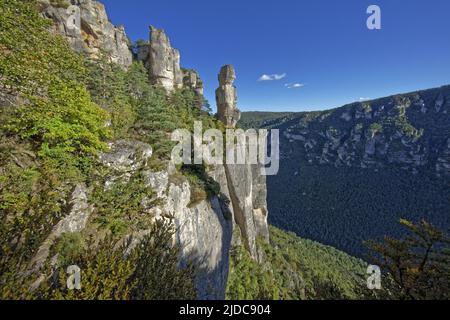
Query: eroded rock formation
226	97
191	79
162	61
163	64
86	26
245	186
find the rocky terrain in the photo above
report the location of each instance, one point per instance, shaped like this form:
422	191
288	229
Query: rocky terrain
411	131
206	229
94	34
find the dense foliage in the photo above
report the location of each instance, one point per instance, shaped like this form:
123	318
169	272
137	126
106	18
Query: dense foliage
418	265
41	73
295	268
343	207
50	130
149	271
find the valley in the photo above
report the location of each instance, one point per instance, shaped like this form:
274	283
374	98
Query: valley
349	175
94	205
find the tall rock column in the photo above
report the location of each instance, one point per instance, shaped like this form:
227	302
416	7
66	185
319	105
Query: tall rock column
226	97
163	65
244	184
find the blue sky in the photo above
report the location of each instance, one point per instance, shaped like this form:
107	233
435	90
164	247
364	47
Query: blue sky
322	45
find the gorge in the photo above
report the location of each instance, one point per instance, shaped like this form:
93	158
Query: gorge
88	129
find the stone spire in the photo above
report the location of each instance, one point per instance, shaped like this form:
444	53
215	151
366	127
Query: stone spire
163	65
163	61
226	97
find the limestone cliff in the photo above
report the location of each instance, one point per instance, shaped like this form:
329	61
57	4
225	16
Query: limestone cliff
204	229
86	26
163	64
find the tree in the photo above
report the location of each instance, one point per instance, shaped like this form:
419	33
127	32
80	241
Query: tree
418	266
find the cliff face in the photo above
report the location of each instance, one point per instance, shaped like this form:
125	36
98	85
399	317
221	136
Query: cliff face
204	230
163	64
88	29
410	131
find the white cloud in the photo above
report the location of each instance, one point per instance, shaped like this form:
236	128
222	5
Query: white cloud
294	85
272	77
363	99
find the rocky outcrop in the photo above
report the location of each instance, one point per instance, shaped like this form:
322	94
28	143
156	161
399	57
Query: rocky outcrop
226	97
88	30
163	64
203	232
162	61
75	221
248	205
126	156
191	79
244	184
86	26
410	131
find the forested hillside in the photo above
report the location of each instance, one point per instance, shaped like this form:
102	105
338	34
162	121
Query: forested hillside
264	119
296	269
349	174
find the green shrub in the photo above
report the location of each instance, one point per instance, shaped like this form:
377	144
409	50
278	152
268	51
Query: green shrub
150	271
158	274
121	206
69	248
417	267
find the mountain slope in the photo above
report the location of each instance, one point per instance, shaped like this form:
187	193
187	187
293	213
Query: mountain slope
349	174
295	269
